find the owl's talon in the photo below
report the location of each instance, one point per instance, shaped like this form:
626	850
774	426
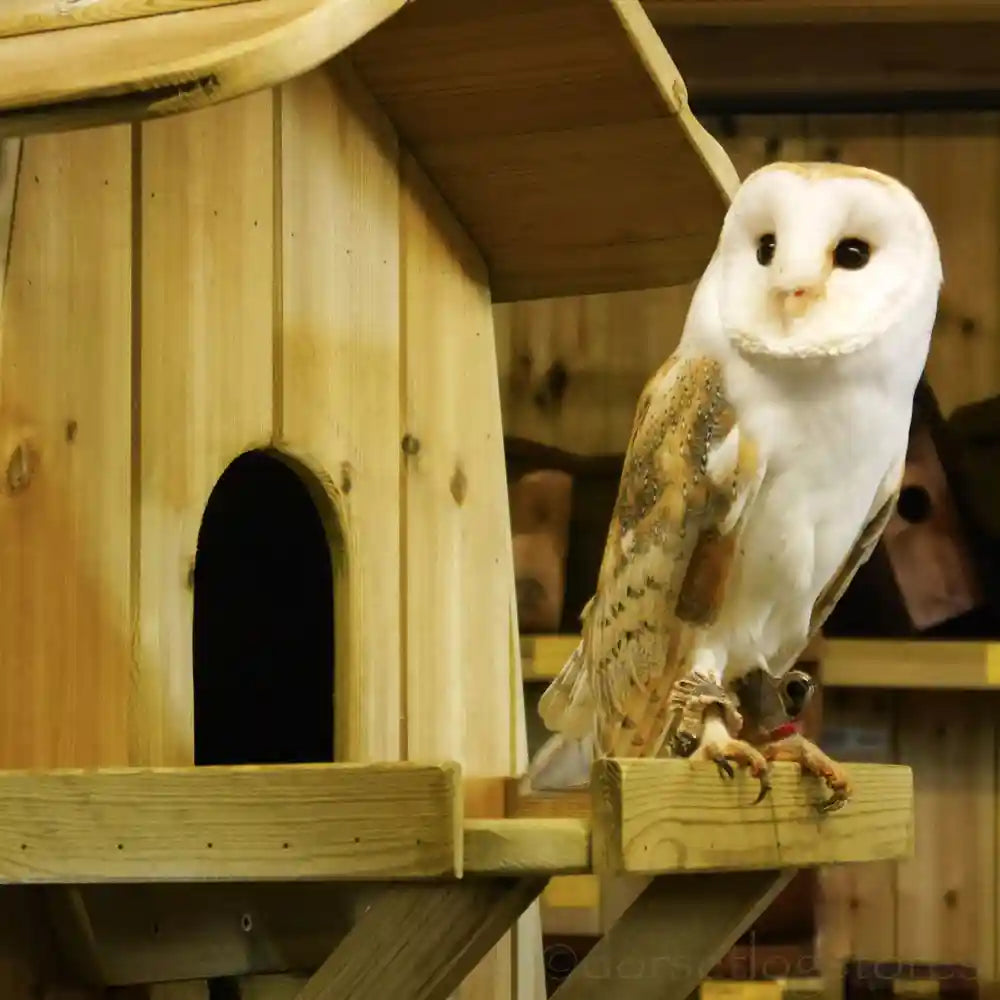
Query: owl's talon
725	767
812	760
765	786
721	752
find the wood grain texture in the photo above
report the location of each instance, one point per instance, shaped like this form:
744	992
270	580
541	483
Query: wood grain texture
526	846
554	157
654	816
65	454
23	17
420	942
95	74
10	163
223	823
945	891
154	932
857	909
204	381
339	375
457	538
769	12
668	939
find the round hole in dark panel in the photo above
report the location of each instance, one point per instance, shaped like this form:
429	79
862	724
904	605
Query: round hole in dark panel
263	619
914	504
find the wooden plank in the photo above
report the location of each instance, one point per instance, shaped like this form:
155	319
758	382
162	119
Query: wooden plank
339	377
664	13
151	66
10	162
859	67
654	816
65	454
457	536
857	908
23	17
527	846
224	823
420	942
154	932
931	664
950	163
945	891
204	377
555	157
666	942
531	804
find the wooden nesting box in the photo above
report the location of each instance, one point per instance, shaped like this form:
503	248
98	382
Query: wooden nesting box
252	491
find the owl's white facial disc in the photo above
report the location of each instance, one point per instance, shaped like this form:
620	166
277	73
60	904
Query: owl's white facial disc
821	259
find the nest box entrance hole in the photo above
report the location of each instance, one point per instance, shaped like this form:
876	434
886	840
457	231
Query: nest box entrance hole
264	617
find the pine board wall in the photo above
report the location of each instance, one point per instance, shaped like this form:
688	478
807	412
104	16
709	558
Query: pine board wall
571	371
271	272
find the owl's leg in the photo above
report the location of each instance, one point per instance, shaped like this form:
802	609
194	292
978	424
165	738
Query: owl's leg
797	749
707	722
720	745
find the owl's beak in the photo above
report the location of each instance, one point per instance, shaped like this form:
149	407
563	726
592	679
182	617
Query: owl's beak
796	301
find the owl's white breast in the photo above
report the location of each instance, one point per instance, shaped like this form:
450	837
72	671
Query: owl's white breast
829	431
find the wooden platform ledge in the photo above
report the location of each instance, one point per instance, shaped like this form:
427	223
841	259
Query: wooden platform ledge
176	873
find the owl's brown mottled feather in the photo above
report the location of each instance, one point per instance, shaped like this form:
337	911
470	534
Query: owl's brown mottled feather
670	545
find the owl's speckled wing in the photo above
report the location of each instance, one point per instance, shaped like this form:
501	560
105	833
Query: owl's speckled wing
884	505
687	477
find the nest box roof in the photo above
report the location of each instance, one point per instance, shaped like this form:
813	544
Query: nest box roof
557	130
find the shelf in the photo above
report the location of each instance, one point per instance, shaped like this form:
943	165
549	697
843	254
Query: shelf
930	664
407	820
125	852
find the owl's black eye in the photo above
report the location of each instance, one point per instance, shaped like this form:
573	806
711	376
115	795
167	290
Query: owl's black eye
851	254
765	249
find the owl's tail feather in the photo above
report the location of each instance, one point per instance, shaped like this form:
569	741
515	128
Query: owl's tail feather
567	705
561	764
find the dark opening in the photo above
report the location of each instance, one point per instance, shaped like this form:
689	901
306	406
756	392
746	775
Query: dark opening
914	504
263	620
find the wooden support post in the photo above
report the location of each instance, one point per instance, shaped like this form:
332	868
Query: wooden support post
419	941
666	942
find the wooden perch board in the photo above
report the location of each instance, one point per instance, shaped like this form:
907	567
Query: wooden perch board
97	72
658	816
560	135
345	821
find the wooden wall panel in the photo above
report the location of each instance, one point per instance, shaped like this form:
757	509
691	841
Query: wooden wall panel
946	891
10	162
457	555
952	162
65	453
204	375
339	361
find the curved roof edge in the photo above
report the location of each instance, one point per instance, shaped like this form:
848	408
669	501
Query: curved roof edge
93	73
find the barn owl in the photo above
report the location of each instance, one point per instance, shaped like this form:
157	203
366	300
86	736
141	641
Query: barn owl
764	461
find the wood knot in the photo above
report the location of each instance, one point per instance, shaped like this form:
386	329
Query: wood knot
951	899
19	469
459	485
71	428
410	444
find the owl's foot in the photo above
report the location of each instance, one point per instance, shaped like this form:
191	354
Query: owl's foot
813	761
723	750
690	699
